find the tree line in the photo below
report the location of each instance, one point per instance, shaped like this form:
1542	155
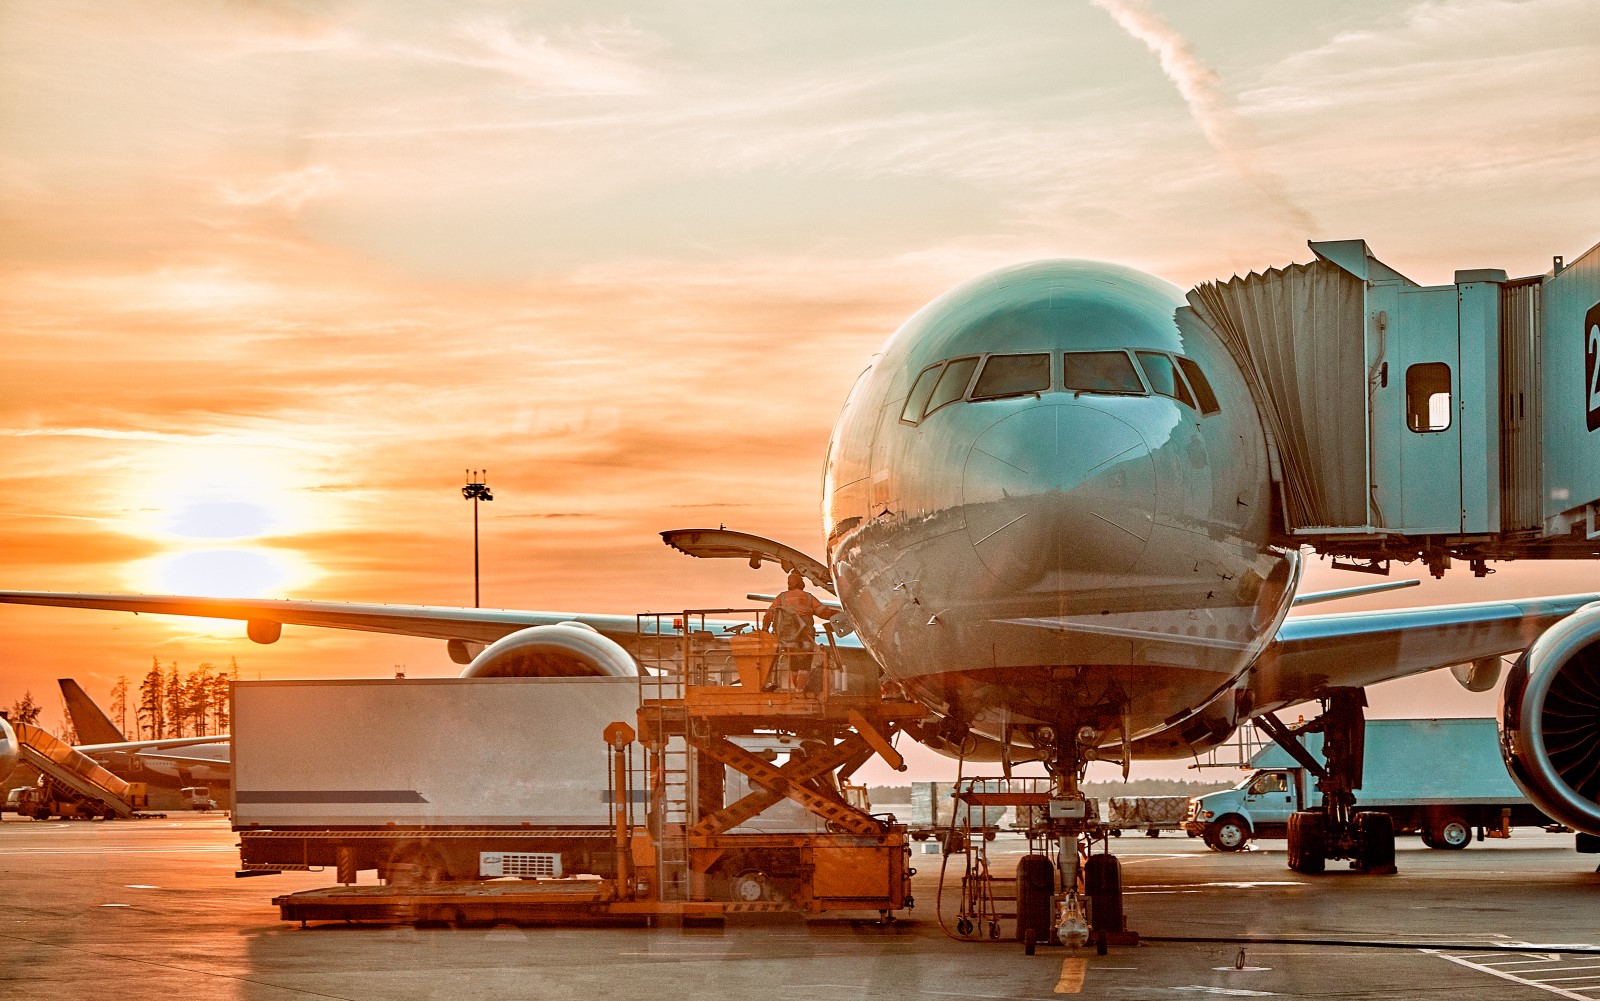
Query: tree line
170	703
177	705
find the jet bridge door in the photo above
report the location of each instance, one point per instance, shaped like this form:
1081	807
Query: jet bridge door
1416	409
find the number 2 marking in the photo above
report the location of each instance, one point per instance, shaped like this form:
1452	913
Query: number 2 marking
1594	367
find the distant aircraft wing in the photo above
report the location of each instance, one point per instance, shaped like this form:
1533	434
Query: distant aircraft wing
480	625
184	761
1353	649
147	746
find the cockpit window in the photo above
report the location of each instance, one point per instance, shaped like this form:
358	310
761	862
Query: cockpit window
1164	377
952	385
1100	372
1202	387
1012	375
920	391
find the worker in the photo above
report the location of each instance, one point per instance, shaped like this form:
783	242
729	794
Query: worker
791	618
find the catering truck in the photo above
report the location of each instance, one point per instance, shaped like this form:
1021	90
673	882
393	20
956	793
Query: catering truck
440	779
426	779
1441	778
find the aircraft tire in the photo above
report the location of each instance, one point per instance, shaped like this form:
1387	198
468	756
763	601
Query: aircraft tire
1036	888
1102	880
1229	833
1308	843
1374	832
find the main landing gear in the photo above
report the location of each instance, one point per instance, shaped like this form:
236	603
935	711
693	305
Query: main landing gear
1335	829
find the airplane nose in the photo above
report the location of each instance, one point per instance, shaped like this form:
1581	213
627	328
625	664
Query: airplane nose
1057	492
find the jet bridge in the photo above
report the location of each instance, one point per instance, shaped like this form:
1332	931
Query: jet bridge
1404	421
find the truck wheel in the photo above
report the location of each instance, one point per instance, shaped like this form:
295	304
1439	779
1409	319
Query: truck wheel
1036	885
1374	831
416	864
1308	843
1229	833
1451	832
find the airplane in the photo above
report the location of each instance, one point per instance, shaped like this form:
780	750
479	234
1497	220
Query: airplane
174	762
1049	515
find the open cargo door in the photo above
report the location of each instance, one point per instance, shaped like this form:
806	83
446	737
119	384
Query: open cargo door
721	543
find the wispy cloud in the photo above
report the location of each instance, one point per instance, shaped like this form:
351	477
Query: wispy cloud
1208	103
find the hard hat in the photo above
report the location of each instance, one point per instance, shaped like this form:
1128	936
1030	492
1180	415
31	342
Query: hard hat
796	579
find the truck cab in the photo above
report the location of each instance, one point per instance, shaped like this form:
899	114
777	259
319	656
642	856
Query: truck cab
1258	806
198	798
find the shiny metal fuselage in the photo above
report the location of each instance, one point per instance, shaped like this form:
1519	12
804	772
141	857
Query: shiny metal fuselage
1076	559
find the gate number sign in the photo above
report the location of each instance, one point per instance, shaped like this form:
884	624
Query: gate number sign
1591	364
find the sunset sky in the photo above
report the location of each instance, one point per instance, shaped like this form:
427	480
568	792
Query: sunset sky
273	275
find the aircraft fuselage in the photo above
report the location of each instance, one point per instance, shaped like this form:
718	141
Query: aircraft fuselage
1076	534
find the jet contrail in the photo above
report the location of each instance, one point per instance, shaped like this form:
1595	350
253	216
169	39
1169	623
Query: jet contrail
1201	90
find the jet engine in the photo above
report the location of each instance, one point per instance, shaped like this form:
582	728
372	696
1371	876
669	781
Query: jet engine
563	650
1550	721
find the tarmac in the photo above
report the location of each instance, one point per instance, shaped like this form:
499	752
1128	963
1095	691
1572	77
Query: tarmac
150	909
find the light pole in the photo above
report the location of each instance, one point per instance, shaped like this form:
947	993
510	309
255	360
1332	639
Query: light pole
476	490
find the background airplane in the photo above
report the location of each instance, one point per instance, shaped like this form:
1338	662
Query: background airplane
175	761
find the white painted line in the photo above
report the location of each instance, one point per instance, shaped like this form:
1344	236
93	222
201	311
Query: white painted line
1558	991
1551	980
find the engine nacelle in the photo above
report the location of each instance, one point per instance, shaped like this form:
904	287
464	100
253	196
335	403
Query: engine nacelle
1550	721
563	650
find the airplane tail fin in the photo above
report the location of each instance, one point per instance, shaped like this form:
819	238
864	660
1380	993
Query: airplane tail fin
89	720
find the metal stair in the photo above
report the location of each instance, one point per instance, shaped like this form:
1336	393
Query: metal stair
61	763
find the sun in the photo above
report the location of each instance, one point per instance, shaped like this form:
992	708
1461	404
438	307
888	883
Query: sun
225	514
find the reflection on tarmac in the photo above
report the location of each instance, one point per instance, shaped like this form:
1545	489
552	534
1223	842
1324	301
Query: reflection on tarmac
127	910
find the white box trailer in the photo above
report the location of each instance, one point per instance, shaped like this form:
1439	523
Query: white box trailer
1439	777
431	774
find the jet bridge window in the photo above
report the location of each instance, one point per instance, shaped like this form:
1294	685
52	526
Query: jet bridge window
952	385
1164	378
911	413
1013	375
1201	386
1100	372
1428	397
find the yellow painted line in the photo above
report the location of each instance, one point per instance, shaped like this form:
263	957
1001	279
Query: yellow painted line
1072	971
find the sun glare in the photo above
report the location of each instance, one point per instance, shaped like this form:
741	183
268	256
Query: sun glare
223	573
213	506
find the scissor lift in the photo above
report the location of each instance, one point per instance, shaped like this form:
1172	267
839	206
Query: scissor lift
727	702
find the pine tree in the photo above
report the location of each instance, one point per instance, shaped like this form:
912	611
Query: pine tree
26	710
152	712
221	707
119	703
175	703
197	699
69	730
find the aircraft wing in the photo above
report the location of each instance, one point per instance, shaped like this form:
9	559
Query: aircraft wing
184	761
1352	649
160	744
480	625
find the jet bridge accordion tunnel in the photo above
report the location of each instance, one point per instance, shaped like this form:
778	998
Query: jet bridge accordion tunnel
1410	422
